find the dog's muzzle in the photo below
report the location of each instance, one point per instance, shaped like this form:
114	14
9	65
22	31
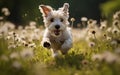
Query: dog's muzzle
57	32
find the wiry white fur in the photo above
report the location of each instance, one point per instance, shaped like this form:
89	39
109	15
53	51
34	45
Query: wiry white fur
63	41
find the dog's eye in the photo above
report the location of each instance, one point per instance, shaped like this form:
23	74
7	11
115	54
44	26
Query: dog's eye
61	19
52	20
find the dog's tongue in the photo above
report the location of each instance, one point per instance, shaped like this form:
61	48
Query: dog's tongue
56	32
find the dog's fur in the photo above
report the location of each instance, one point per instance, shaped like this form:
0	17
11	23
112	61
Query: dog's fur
57	35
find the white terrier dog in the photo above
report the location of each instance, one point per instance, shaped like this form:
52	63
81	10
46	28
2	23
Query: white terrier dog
57	35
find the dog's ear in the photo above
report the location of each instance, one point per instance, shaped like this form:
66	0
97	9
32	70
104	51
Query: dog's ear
66	8
45	10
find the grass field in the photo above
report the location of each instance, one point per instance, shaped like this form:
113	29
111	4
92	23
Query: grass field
95	51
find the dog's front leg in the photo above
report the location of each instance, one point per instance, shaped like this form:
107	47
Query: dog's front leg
46	43
66	46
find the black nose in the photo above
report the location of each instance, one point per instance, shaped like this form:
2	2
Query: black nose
57	26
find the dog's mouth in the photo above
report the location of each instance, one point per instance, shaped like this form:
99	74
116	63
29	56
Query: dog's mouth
57	32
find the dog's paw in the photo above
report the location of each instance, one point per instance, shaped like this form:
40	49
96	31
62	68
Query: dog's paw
46	44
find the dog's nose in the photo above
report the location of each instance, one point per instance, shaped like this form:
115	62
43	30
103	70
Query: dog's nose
57	26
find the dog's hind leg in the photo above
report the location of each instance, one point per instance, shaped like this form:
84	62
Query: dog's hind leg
66	46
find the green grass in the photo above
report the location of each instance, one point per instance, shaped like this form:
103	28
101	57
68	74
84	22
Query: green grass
76	62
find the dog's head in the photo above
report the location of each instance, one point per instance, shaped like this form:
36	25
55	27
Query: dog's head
55	20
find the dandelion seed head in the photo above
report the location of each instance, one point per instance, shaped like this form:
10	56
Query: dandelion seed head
5	11
85	62
8	37
20	27
27	53
116	22
18	39
10	33
115	31
109	30
103	25
92	31
14	55
32	45
109	38
72	19
22	38
91	22
17	65
32	23
24	32
33	27
91	44
84	19
116	15
23	42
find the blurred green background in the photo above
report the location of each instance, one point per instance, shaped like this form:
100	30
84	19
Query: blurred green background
23	11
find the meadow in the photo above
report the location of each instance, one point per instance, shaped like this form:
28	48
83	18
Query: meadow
95	51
